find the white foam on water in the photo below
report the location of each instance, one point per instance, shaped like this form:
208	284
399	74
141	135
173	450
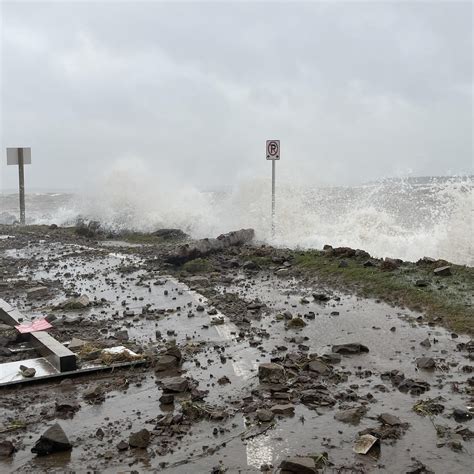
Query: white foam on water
405	219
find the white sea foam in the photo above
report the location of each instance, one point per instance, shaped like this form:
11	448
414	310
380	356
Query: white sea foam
405	219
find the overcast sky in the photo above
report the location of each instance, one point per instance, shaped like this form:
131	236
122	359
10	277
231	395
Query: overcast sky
355	91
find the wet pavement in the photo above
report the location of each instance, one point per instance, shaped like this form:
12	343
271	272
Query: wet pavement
127	297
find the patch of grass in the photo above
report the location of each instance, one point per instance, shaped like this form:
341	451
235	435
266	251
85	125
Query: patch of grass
198	265
260	261
141	238
448	300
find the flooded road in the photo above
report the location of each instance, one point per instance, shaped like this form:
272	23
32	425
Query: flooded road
222	351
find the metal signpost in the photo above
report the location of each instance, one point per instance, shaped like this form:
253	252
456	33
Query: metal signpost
20	157
273	154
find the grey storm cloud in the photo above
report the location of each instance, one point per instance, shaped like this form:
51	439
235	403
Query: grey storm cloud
355	90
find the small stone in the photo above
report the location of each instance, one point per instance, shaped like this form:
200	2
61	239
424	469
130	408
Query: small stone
352	415
318	367
299	465
287	409
167	399
331	358
52	440
140	439
350	348
165	362
425	363
122	335
175	384
27	372
37	292
442	271
6	449
76	344
388	419
295	323
122	446
425	343
461	415
265	415
270	372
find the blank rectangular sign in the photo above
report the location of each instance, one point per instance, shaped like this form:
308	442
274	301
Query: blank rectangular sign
12	156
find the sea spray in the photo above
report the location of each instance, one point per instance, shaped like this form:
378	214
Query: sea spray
402	218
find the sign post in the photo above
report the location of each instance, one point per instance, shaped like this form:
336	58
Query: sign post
273	154
20	157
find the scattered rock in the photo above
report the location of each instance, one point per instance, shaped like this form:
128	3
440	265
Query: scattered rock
321	297
54	439
37	292
295	323
67	407
271	373
170	234
94	393
165	362
287	409
122	335
265	415
140	439
352	415
331	358
122	445
167	399
250	265
442	271
388	419
299	465
350	348
175	384
318	367
390	264
7	448
418	467
425	363
461	415
75	303
27	372
425	343
76	344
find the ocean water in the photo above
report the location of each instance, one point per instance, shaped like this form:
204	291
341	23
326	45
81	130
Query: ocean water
398	218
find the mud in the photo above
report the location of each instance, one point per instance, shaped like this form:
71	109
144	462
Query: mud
232	320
